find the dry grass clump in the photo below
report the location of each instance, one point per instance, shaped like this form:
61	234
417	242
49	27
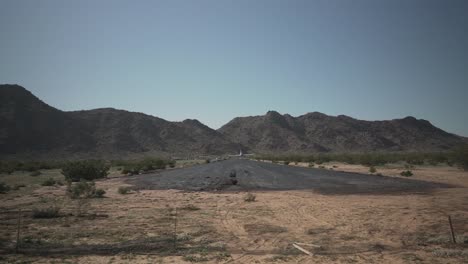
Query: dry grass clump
49	212
250	197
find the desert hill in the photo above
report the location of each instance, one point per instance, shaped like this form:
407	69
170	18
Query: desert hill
29	128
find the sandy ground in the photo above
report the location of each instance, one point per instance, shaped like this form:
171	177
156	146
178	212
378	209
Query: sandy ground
221	227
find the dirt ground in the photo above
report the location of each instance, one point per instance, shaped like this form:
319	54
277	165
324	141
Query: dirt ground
221	227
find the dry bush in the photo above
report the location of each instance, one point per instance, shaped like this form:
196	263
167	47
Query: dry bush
250	197
49	212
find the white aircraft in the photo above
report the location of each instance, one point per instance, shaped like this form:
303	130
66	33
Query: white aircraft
241	154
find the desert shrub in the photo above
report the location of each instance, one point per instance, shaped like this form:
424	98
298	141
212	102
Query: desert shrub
195	258
35	173
85	170
6	167
18	186
4	188
406	173
207	161
190	207
99	193
460	157
171	163
250	197
311	165
286	163
131	169
123	190
49	182
372	169
49	212
31	166
148	164
367	159
83	190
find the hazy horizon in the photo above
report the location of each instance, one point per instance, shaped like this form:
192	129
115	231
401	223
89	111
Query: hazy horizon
216	60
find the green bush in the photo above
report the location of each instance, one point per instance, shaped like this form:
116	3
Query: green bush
145	165
35	173
85	170
84	189
49	182
4	188
50	212
407	173
31	166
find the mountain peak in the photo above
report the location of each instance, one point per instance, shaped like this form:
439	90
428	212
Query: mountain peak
29	126
272	113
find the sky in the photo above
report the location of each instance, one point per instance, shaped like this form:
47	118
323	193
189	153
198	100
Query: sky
216	60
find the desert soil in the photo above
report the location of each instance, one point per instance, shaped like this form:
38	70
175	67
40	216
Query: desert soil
218	226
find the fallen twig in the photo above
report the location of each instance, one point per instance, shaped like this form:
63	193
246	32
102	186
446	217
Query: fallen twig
303	250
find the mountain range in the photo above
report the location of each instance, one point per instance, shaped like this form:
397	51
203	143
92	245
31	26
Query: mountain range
31	129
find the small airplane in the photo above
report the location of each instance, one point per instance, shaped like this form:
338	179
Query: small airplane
241	154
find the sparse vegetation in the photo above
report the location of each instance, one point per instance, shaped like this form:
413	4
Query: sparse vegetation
250	197
84	189
123	190
461	157
406	173
195	258
35	173
85	170
49	182
190	207
134	167
11	166
372	169
18	186
4	188
49	212
99	193
374	159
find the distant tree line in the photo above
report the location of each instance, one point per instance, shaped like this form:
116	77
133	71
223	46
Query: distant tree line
459	157
96	168
143	165
10	166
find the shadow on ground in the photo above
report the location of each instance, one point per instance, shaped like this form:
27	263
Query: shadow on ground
248	175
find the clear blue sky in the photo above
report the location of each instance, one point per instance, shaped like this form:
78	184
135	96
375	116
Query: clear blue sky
215	60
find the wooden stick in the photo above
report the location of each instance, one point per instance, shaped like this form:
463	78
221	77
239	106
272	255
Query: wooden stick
18	232
303	250
451	230
175	228
305	244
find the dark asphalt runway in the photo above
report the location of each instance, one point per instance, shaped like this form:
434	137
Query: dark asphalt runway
242	174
